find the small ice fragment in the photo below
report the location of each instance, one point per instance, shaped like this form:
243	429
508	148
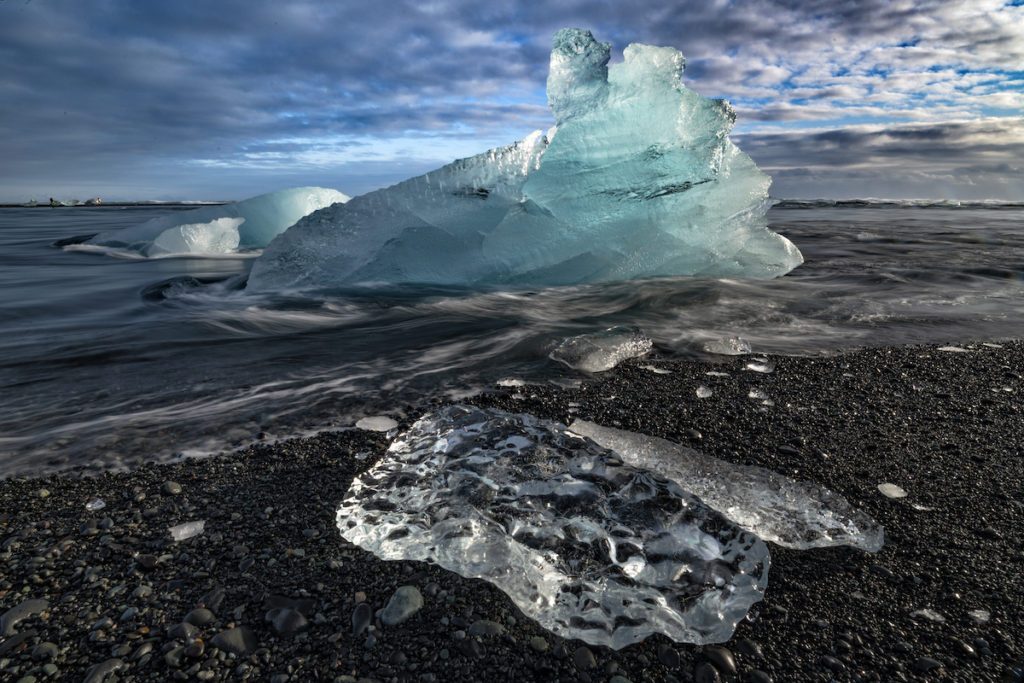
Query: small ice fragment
703	392
187	530
95	504
733	346
891	491
760	366
602	350
758	395
377	423
715	373
511	382
656	370
980	616
794	514
992	346
954	349
921	508
929	614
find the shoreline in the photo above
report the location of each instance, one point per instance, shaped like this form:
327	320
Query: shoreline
940	424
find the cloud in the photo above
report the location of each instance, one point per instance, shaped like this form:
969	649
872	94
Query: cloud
959	159
120	89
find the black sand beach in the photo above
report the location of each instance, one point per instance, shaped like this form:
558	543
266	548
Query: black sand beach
269	590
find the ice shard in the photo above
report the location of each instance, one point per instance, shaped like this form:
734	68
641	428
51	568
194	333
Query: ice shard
637	179
794	514
587	545
222	229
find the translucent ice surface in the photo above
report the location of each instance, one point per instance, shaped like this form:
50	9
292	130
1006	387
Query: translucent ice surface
638	179
588	546
248	224
794	514
602	351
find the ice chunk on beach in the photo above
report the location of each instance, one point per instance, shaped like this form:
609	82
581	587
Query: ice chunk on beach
588	546
376	423
638	179
890	490
221	229
602	350
794	514
187	530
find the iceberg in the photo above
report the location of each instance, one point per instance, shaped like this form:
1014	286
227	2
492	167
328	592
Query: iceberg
588	546
791	513
222	229
638	178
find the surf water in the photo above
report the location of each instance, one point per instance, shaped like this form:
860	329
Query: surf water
108	361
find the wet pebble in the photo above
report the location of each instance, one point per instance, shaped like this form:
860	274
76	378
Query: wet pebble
405	602
28	608
199	617
361	617
584	659
170	488
926	664
668	656
239	640
721	658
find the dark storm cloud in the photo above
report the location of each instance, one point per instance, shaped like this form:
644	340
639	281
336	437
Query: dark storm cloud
119	89
966	159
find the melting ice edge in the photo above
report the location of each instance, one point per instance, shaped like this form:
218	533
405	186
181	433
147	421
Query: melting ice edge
596	543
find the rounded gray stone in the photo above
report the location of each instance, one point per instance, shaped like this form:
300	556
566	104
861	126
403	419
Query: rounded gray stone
405	602
170	488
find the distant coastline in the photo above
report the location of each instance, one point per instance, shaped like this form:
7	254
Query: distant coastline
29	205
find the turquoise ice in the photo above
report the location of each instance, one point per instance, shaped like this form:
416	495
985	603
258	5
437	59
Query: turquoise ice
222	229
637	179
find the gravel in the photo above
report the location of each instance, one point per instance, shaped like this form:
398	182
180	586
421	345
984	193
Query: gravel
269	590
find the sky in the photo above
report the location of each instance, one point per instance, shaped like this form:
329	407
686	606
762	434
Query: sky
227	99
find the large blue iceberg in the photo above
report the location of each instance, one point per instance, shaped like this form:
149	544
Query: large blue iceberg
223	229
637	179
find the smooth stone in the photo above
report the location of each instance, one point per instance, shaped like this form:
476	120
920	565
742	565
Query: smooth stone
405	602
538	644
199	617
749	648
240	640
45	650
195	649
705	673
668	656
43	493
170	488
174	656
583	658
361	616
102	670
214	599
833	664
721	658
758	676
485	627
27	608
287	620
142	650
183	631
102	624
927	664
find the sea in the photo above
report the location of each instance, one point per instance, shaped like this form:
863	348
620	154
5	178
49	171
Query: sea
108	362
